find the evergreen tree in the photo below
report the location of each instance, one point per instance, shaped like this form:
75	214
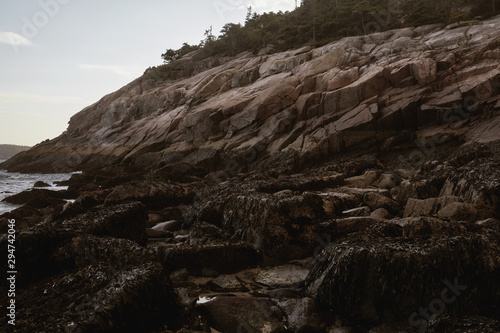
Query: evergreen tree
317	22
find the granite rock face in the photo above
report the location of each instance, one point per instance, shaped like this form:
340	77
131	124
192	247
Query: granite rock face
316	102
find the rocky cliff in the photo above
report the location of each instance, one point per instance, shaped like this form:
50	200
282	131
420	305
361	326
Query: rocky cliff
371	91
349	188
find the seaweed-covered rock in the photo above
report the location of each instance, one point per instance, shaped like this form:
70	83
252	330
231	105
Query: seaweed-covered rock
99	298
432	227
85	250
95	284
282	226
223	258
206	233
389	279
29	195
127	221
34	246
341	227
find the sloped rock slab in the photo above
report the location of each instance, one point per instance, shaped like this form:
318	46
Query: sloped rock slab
243	314
287	276
226	283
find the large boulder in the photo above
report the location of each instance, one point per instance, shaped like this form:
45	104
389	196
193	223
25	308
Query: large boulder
390	279
458	211
376	200
303	315
281	226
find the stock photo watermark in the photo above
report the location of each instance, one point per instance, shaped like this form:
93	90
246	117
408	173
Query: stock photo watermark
381	20
11	273
437	306
224	6
33	24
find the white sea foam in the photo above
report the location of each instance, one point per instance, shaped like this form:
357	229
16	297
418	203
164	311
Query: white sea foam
203	300
13	183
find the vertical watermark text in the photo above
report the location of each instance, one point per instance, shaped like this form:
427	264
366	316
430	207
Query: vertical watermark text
11	272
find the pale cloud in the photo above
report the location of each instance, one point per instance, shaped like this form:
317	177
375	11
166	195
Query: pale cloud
129	74
11	38
17	97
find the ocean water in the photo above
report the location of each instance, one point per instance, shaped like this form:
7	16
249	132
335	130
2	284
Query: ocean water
13	183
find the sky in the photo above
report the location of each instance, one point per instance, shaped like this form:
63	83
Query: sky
59	56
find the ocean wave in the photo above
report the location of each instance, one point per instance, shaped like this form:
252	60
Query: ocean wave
13	183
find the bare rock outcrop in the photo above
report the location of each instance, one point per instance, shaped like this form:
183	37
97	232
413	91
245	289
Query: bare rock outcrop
316	102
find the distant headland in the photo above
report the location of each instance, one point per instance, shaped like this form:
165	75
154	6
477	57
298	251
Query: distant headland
7	151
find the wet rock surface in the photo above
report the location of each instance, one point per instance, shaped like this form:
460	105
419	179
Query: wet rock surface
288	276
325	191
317	251
469	324
237	314
318	255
